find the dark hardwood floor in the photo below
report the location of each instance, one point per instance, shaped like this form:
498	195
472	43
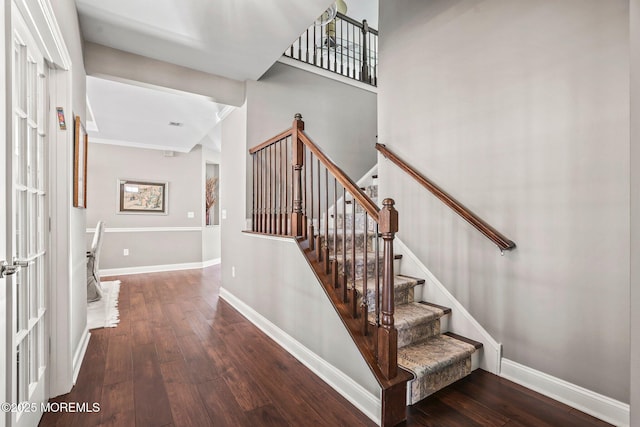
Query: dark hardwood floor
181	357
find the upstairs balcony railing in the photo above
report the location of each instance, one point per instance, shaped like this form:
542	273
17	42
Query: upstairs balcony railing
343	46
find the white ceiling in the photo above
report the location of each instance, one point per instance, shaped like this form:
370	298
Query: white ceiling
238	39
123	114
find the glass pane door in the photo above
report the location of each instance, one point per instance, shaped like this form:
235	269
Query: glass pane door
29	226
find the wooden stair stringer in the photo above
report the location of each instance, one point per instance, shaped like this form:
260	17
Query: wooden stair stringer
393	390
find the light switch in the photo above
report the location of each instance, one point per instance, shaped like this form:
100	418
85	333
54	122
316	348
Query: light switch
224	214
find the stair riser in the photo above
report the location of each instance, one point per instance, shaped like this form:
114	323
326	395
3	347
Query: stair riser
347	267
426	385
341	241
402	296
359	218
418	332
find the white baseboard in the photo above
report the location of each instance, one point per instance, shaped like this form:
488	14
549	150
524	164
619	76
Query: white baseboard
211	262
369	404
597	405
78	357
461	322
157	268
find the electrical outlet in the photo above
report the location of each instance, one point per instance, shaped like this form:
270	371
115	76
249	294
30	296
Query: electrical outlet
191	215
125	252
233	271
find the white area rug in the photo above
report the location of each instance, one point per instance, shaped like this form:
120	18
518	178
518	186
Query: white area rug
104	312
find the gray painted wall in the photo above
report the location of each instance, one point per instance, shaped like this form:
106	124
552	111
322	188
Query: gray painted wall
67	17
272	276
339	118
183	172
521	111
635	212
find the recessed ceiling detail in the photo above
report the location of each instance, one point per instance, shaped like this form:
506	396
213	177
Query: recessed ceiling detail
144	117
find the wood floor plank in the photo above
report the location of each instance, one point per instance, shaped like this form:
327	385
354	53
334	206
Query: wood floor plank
267	416
117	405
472	409
166	343
138	307
177	319
247	392
221	405
119	363
151	400
186	404
141	333
443	415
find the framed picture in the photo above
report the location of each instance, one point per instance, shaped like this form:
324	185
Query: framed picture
142	197
80	145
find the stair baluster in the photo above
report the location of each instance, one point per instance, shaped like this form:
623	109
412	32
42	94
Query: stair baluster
364	307
334	260
325	248
354	267
343	281
318	244
312	239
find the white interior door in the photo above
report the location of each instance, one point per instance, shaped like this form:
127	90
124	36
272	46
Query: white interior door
27	227
4	327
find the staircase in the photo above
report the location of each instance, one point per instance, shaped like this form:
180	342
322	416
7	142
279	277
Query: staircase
347	239
435	357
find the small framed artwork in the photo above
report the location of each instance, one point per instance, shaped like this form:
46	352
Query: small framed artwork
80	145
142	197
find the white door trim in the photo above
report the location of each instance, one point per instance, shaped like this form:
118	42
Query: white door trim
5	131
41	21
61	358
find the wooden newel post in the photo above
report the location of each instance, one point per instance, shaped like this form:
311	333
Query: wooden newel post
387	333
297	160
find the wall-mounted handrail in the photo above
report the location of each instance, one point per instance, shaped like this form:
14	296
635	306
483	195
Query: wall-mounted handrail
491	233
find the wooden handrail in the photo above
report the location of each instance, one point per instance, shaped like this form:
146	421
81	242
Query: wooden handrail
491	233
360	196
282	135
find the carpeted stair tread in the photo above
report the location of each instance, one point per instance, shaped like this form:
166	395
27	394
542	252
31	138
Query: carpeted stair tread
413	314
416	322
403	290
436	363
400	283
434	354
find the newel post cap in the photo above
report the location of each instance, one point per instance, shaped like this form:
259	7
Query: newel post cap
388	217
298	123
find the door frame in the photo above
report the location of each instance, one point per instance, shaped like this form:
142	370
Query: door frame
5	130
41	22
